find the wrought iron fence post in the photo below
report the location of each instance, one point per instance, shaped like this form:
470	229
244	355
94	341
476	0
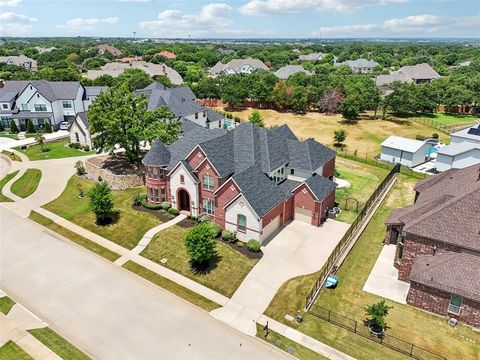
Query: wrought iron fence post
411	351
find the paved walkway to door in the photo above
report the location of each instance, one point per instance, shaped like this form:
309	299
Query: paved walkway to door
298	249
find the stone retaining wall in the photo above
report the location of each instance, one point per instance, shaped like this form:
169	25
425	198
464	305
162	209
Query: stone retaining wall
116	181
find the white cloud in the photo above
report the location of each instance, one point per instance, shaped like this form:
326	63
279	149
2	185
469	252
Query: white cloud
13	24
10	3
92	21
211	19
416	24
17	18
16	29
272	7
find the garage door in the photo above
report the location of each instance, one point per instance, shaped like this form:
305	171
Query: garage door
271	227
303	215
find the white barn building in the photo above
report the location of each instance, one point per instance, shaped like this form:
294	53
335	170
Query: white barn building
408	152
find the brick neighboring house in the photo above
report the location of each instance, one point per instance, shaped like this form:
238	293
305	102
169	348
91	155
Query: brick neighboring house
110	49
166	54
438	244
250	180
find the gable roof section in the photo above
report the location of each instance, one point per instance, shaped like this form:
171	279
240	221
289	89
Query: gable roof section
308	155
288	70
284	131
419	72
402	143
50	90
455	273
320	186
158	155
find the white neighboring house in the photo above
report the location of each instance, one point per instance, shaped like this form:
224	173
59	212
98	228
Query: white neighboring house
238	66
79	132
41	101
471	134
408	152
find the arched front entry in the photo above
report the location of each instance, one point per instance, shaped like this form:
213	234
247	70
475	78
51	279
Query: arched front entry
183	200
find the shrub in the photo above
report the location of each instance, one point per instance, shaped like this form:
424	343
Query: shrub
80	168
420	137
166	205
200	244
173	211
253	245
435	136
240	244
1	127
377	311
13	127
48	127
101	201
216	229
229	236
147	205
137	199
74	146
30	128
203	219
86	148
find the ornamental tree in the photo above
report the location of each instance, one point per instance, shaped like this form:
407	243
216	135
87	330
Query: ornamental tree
200	244
256	118
101	201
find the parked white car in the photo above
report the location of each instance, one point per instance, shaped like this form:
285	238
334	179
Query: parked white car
64	125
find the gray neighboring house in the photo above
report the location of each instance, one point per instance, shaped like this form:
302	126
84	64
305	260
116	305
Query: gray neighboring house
21	60
408	152
288	70
383	82
116	68
312	57
226	51
362	66
416	74
238	66
463	151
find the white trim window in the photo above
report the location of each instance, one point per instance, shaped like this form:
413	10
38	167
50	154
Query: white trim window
241	223
24	107
208	206
279	175
40	107
455	305
67	104
208	183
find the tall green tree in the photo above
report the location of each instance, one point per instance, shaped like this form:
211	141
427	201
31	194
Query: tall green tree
101	201
30	128
120	117
339	136
256	118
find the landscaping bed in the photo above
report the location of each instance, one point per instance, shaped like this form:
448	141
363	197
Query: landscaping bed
52	150
11	155
157	213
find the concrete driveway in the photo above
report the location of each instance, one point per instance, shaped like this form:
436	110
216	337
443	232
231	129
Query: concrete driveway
298	249
105	310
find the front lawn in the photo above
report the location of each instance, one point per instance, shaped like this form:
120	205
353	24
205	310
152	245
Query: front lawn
126	231
58	344
404	321
5	180
27	184
11	155
225	273
52	150
11	351
6	304
363	178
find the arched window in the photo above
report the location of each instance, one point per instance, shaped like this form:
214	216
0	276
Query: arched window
241	223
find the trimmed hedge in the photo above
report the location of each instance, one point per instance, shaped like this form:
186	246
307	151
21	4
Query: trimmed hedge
253	245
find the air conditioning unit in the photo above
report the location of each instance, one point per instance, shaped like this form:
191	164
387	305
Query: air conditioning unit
452	321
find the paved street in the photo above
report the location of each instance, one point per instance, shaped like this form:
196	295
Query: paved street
105	310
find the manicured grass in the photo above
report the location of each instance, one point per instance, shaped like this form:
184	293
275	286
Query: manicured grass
447	118
404	321
363	178
5	180
72	236
287	345
58	344
52	150
6	304
171	286
10	136
27	184
11	351
226	271
126	231
365	136
11	155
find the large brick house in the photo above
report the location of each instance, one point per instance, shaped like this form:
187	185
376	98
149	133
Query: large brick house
438	244
250	180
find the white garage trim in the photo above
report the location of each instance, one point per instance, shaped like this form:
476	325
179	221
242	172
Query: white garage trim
303	215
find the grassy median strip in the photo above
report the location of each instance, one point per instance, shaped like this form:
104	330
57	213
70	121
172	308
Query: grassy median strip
58	344
5	180
72	236
293	348
11	351
6	304
171	286
27	184
11	155
52	150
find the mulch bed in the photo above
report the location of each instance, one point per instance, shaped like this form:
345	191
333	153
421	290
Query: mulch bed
187	223
153	212
243	250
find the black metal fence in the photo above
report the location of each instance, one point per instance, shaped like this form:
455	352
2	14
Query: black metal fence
446	128
387	340
326	269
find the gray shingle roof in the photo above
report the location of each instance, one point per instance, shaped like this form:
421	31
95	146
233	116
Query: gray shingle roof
288	70
94	90
82	116
158	155
320	186
308	155
455	273
284	131
419	71
51	90
8	96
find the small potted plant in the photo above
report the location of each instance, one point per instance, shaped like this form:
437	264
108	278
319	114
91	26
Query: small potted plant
377	313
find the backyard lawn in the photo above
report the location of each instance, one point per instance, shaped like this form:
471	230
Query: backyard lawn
11	351
3	181
27	183
448	119
365	136
225	274
363	178
406	322
52	150
126	231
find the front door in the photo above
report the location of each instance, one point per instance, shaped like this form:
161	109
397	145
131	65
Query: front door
184	200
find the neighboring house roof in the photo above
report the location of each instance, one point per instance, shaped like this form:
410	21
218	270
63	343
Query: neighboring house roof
116	68
82	121
167	54
8	96
94	90
109	48
382	80
51	90
359	64
236	65
20	60
455	273
446	209
42	50
459	148
288	70
226	51
312	57
471	133
130	59
419	72
31	115
403	143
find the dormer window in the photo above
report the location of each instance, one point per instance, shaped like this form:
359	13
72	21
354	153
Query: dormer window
5	106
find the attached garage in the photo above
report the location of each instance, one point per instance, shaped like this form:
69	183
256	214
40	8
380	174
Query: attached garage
270	228
303	215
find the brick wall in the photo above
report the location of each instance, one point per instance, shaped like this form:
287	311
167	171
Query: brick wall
437	301
325	205
303	198
276	211
207	169
417	246
196	157
228	191
329	168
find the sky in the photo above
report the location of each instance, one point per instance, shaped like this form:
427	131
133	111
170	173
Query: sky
241	18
